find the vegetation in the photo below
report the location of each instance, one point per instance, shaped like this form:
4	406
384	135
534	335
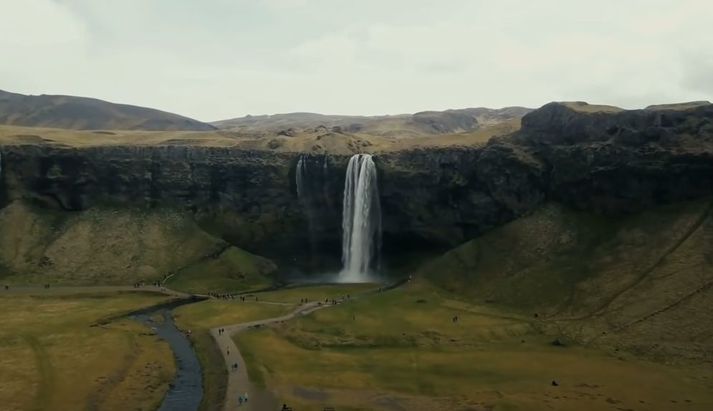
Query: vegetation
610	282
120	247
200	318
294	295
234	270
54	356
402	348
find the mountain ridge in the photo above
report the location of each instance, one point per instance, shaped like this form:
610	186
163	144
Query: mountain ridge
86	113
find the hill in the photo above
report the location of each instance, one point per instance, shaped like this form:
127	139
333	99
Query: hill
82	113
424	123
641	282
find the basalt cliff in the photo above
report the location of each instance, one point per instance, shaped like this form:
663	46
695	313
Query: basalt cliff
593	158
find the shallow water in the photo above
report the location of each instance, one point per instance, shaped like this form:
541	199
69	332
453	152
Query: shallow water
186	391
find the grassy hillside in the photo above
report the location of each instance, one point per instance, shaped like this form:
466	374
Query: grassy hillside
401	350
120	246
641	282
422	124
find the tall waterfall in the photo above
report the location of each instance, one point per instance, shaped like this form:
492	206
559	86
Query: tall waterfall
361	219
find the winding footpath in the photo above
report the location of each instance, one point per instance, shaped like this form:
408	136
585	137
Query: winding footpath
238	381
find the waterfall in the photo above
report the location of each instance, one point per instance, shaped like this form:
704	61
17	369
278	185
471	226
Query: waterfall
361	219
308	178
300	176
305	198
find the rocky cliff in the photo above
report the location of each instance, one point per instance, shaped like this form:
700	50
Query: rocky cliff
599	159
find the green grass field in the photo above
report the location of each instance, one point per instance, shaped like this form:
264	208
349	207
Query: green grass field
401	348
53	356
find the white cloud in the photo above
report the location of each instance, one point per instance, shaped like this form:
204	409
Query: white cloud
222	58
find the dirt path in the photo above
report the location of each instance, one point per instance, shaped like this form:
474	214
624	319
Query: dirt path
238	381
72	290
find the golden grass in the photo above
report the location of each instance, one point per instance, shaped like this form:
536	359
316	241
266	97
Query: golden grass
90	138
583	107
305	141
52	358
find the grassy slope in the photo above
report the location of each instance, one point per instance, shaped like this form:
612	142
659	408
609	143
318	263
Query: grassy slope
232	271
52	359
401	349
634	278
111	246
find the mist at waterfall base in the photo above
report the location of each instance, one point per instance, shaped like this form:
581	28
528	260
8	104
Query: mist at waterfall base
361	220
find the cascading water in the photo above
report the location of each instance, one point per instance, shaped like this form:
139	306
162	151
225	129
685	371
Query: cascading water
310	182
300	175
361	219
305	199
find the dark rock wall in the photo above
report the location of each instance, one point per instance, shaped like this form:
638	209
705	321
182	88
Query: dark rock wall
434	199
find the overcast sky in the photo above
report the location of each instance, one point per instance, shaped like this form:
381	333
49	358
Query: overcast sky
216	59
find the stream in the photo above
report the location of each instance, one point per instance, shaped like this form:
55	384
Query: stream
186	390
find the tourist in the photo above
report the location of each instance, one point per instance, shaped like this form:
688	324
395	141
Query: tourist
240	400
245	397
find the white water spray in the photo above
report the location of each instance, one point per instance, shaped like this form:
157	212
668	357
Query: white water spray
361	219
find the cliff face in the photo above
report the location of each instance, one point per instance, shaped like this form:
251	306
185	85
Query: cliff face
605	161
621	161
